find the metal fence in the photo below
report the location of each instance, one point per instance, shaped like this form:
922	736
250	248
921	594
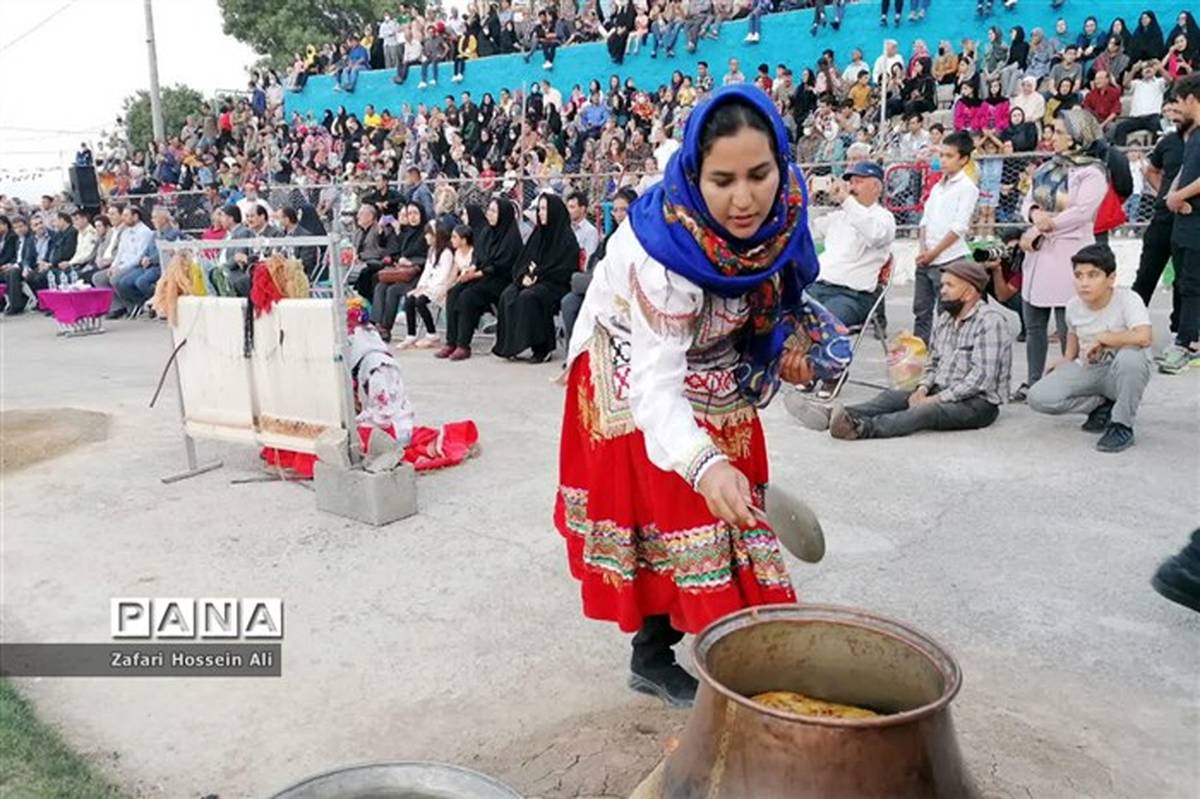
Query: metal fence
1004	180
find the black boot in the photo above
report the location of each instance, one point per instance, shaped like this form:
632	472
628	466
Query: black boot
1178	578
653	666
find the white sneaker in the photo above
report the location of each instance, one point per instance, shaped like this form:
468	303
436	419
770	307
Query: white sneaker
749	38
408	343
548	65
428	342
422	85
433	82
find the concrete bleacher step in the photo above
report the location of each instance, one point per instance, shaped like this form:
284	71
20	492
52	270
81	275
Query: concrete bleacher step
785	40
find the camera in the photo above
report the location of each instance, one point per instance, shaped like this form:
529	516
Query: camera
992	251
1007	252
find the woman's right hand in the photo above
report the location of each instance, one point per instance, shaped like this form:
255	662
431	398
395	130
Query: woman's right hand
727	492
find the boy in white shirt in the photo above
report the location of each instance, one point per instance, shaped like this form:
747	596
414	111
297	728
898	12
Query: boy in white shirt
1107	362
945	222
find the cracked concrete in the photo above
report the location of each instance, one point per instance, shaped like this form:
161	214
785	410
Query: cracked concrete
456	635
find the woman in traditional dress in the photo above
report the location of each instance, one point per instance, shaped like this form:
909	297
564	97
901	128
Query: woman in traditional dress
542	275
686	329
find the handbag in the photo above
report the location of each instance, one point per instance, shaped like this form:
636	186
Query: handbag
399	274
1111	213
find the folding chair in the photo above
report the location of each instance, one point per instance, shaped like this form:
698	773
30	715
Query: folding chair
813	407
882	283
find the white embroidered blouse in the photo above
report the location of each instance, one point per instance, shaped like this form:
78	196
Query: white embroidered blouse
661	354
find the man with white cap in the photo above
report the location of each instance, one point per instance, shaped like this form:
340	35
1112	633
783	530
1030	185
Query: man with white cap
858	240
967	375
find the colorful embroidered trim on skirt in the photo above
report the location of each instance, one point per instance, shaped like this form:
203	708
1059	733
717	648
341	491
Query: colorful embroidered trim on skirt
702	558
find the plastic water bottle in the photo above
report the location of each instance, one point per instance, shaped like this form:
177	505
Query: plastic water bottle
51	281
74	276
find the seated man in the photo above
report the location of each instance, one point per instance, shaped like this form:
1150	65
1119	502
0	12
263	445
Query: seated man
136	286
858	241
580	281
966	378
1107	363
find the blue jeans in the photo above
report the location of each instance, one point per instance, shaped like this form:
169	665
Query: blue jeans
918	6
347	78
665	36
819	17
756	21
696	27
137	285
846	304
425	69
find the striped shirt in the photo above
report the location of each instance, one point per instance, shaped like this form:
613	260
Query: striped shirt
970	356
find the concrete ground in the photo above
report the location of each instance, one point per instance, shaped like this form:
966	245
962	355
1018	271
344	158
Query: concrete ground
456	635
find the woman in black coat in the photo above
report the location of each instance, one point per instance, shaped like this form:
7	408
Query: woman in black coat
1147	42
542	275
497	248
489	42
619	24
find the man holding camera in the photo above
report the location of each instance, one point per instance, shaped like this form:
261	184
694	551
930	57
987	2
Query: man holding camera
965	379
1003	261
858	240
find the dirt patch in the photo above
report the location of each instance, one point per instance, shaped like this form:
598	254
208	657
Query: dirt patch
600	755
29	437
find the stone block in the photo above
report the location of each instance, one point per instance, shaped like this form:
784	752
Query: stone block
378	499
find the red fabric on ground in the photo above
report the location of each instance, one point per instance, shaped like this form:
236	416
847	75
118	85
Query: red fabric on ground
429	448
614	507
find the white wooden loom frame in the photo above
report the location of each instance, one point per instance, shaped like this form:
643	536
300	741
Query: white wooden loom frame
286	245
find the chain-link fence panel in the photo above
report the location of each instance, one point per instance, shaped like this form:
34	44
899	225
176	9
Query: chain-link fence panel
1003	180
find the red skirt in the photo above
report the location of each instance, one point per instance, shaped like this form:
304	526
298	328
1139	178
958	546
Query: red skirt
642	542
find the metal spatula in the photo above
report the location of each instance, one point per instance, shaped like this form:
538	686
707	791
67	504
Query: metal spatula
795	524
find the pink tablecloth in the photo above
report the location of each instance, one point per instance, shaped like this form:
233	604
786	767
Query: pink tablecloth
69	307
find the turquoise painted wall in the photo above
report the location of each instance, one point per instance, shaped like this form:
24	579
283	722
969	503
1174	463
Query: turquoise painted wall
785	39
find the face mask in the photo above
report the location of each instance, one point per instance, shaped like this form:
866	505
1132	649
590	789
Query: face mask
953	307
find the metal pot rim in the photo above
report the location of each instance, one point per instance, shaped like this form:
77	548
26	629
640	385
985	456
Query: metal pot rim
941	659
467	773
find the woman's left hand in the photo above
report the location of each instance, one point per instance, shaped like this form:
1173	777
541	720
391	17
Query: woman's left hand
1042	220
795	368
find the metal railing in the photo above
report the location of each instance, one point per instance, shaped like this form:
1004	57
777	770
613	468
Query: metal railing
1004	180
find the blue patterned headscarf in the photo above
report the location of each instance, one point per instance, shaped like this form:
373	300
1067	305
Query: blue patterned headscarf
673	224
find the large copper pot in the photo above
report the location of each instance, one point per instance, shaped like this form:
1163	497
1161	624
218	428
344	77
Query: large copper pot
733	748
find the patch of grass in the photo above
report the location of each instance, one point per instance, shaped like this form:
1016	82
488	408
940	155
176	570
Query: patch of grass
35	763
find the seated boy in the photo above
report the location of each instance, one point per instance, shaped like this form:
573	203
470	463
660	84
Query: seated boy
1107	362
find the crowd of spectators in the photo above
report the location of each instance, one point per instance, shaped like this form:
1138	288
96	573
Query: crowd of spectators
595	142
1003	91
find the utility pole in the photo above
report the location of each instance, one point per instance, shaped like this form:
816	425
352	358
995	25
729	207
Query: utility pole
155	97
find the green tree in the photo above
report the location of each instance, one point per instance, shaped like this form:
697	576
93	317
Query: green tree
280	28
177	102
